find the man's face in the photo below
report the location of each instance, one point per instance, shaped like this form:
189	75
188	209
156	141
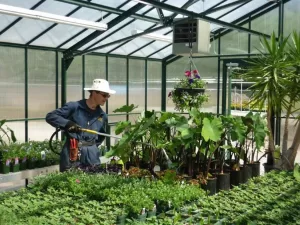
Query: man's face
101	97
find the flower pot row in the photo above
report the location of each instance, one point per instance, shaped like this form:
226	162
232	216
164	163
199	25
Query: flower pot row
24	164
231	178
120	220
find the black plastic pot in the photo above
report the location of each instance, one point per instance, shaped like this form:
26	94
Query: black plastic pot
255	169
141	217
14	168
4	168
151	213
210	186
191	91
246	173
223	181
268	168
121	220
235	178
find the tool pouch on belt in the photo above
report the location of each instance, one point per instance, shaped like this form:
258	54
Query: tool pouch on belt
73	149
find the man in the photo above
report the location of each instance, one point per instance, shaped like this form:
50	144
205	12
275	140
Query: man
86	113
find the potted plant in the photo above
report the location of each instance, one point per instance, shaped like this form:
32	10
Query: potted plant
276	76
269	70
189	92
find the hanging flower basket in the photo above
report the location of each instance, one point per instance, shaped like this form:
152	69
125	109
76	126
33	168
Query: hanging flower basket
189	92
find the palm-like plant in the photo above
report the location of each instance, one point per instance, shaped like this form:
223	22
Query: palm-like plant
269	71
292	97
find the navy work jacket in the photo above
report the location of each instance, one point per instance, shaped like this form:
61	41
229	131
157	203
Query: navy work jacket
82	115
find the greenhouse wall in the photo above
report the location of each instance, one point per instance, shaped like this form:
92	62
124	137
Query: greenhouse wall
30	78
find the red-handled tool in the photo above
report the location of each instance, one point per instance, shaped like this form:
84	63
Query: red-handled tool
73	149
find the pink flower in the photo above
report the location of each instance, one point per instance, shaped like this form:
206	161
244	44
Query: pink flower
195	71
170	94
187	73
77	181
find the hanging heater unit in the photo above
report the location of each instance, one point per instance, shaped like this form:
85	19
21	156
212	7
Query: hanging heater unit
192	33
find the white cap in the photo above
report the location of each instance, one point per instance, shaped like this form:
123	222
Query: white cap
100	85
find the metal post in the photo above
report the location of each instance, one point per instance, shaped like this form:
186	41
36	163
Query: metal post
163	85
83	76
229	91
230	68
56	83
219	76
26	94
106	77
280	34
224	88
146	84
63	82
127	85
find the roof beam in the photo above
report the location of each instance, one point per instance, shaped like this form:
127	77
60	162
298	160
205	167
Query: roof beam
52	26
148	56
166	21
104	8
85	29
199	16
253	14
110	24
186	5
18	19
131	21
226	6
127	41
121	40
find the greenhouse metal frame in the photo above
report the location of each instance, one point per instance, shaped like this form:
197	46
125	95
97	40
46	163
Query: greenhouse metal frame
161	54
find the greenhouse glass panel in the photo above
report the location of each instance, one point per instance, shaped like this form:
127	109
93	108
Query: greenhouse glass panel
39	130
126	32
291	17
153	13
163	53
267	23
219	13
175	72
12	83
19	129
247	8
35	27
154	74
106	33
235	42
74	80
94	69
86	33
24	4
208	70
117	80
137	84
62	32
41	83
110	3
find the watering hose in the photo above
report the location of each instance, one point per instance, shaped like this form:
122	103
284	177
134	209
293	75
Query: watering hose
103	134
51	139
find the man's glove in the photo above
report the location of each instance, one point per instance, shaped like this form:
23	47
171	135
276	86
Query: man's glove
72	127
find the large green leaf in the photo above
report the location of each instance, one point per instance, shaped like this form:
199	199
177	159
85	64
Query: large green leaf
2	122
297	172
12	135
121	126
125	108
212	129
239	130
